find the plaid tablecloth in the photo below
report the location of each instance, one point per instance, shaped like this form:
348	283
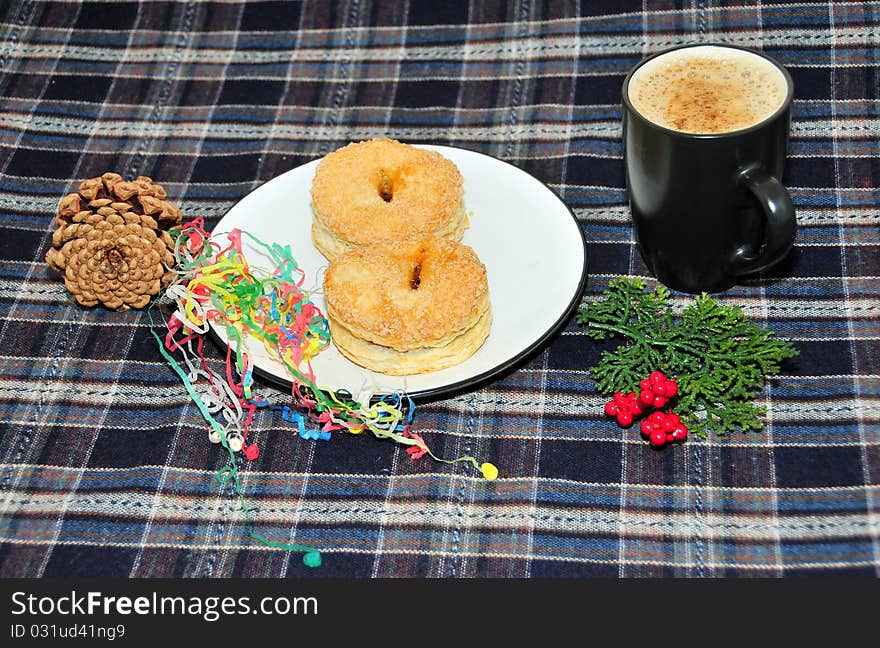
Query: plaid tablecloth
105	465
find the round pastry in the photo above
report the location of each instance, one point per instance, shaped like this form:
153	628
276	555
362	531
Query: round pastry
409	307
369	192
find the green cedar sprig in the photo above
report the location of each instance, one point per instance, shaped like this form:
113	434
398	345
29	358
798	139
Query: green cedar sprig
718	358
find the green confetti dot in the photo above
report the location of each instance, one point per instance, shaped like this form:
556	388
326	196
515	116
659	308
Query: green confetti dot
312	559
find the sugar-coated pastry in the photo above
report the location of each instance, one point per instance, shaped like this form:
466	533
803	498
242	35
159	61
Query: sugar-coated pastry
381	190
408	307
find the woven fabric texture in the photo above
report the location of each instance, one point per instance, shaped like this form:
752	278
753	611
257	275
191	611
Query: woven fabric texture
105	464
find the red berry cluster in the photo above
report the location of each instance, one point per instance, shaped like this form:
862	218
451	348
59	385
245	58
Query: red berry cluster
625	408
661	428
655	391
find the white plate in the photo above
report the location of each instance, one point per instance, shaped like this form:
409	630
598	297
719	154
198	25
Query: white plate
530	242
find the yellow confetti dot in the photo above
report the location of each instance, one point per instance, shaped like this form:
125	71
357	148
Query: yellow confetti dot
490	472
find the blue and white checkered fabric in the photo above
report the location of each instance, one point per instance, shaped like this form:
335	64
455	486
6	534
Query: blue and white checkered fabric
105	466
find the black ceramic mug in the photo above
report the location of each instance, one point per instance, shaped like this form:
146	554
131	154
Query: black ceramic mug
703	164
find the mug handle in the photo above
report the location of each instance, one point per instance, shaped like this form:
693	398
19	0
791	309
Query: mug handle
780	225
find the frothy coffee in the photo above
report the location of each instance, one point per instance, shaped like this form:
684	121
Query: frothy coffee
707	89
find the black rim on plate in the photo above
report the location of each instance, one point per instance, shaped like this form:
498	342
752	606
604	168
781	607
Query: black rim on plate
468	384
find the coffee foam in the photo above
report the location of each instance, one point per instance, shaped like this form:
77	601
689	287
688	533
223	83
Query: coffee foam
707	89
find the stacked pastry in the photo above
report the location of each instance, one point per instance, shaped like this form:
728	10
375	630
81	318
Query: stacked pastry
382	190
403	295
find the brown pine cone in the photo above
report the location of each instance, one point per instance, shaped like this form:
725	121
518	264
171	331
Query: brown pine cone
120	260
140	196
